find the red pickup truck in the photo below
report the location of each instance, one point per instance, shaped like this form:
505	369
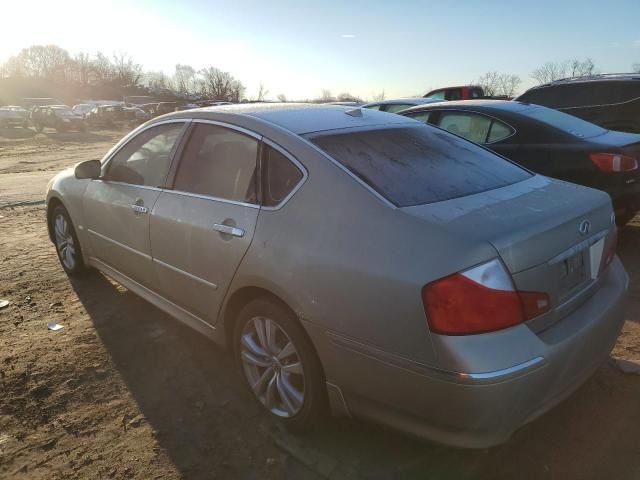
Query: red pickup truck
467	92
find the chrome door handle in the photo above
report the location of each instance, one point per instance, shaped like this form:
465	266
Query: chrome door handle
139	209
236	232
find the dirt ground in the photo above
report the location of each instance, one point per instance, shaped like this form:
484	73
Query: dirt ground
123	391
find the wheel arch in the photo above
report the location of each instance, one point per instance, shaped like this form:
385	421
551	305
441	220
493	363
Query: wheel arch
52	203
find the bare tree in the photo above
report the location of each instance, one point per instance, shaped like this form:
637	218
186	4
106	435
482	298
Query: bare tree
347	97
282	98
325	96
40	61
636	68
157	81
496	84
127	73
184	77
221	85
551	71
262	93
102	69
379	97
81	66
582	68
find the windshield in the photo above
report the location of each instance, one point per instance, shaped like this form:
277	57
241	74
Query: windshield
62	111
563	121
419	164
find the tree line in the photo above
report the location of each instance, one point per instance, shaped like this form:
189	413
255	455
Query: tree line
51	68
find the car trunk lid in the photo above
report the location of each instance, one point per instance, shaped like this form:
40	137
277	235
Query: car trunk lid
549	234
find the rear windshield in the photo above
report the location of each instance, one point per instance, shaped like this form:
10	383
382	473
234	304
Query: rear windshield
419	164
563	121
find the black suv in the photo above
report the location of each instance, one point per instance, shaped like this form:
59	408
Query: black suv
611	101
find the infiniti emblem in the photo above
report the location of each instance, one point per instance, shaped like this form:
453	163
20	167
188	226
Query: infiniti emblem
584	227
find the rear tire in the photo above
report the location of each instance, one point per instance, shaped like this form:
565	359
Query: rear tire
66	242
279	364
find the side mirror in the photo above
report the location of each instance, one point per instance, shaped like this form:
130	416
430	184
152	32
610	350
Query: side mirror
88	169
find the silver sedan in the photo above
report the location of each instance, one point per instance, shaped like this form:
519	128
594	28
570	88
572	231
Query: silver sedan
356	261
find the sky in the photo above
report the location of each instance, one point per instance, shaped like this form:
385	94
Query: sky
363	47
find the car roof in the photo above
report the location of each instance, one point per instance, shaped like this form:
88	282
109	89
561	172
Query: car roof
298	118
488	105
604	77
409	100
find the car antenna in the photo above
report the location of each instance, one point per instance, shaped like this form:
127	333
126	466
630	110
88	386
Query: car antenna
354	112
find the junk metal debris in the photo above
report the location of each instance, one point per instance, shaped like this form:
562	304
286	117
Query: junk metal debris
54	326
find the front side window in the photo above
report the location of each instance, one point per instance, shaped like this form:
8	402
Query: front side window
468	125
219	162
280	176
145	160
418	164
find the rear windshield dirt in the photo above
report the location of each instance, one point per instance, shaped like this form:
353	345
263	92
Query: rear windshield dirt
418	164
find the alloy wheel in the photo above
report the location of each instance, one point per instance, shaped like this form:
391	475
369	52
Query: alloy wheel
64	241
272	366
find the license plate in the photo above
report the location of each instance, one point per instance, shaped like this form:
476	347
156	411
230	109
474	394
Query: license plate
573	271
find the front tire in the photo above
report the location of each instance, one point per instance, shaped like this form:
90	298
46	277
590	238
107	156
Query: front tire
66	242
279	363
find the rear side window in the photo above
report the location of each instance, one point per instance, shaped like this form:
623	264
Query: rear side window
219	162
146	158
498	132
468	125
280	176
419	164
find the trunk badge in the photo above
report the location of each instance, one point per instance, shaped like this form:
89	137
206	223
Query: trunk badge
584	227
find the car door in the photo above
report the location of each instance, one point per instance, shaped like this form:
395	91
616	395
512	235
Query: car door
202	227
117	206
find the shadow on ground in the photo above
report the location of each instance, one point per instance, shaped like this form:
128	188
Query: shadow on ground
17	133
190	393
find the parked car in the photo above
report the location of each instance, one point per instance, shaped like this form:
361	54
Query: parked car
110	116
357	260
465	92
14	116
137	115
83	108
548	142
611	101
166	107
397	104
60	117
347	103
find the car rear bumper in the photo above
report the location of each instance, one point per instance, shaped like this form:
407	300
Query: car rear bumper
481	409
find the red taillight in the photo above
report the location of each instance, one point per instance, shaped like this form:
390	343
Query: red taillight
613	162
479	300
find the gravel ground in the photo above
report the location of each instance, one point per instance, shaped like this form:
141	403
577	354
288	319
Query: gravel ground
123	391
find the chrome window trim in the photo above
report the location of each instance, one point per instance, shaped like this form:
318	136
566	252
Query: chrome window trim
230	126
445	109
134	133
209	197
294	160
132	185
213	286
121	245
